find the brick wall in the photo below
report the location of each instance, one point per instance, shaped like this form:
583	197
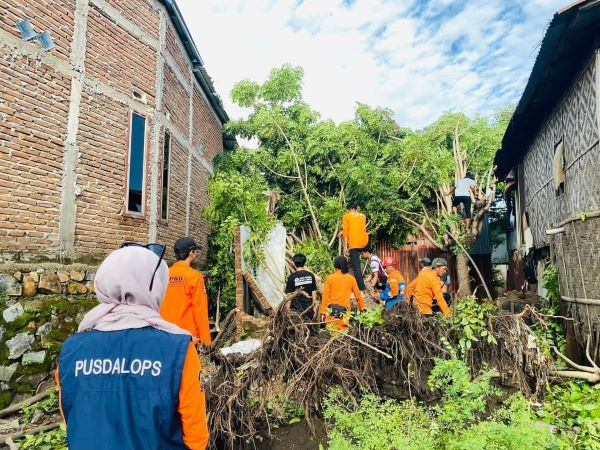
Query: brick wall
32	127
172	229
199	227
119	57
174	49
176	101
54	15
207	129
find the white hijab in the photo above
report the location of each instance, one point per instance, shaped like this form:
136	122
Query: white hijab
122	285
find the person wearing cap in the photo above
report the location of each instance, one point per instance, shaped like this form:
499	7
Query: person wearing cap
335	303
394	287
424	262
128	379
186	302
355	237
428	288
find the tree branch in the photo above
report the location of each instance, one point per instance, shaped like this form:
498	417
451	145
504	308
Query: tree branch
302	184
423	230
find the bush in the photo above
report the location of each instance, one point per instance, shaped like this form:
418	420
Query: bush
50	440
574	408
459	421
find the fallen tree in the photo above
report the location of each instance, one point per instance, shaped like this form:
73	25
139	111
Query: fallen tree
299	362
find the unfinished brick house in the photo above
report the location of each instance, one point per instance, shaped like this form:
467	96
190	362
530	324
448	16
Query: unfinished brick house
109	125
550	159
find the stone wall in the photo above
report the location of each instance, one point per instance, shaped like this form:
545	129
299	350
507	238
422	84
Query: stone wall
40	307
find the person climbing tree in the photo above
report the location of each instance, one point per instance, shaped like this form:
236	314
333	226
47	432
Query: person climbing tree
462	195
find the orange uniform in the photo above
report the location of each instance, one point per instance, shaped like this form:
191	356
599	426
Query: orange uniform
410	288
336	291
192	406
186	303
394	278
427	287
354	229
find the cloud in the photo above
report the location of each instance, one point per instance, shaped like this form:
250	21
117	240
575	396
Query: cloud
416	57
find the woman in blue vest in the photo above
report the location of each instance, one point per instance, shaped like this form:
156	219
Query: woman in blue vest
128	379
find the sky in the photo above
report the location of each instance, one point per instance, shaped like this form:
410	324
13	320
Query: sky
419	58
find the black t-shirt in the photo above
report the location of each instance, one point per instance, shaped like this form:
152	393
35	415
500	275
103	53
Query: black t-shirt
304	280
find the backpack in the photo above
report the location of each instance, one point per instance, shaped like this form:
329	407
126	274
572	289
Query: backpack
382	278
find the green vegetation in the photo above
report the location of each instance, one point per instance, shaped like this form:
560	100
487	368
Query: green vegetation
50	440
470	322
459	421
46	406
313	167
574	408
548	329
370	317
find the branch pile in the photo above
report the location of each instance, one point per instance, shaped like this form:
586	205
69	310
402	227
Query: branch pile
301	362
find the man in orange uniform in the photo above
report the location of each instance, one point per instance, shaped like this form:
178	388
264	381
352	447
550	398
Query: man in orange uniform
394	287
354	233
335	302
186	303
427	288
424	263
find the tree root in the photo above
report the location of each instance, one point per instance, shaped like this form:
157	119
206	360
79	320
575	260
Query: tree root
299	362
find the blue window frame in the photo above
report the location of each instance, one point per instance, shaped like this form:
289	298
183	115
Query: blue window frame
136	169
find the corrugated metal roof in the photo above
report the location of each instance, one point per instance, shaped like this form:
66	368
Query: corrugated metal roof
572	35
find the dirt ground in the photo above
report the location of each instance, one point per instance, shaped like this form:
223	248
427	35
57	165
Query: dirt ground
294	437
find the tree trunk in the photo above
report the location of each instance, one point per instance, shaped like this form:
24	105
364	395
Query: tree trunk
462	271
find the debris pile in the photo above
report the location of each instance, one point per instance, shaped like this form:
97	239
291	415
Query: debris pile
308	360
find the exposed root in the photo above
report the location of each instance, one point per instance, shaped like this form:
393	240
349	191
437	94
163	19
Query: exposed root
309	360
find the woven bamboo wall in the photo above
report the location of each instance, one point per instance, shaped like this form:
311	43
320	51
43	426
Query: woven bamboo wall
576	253
575	120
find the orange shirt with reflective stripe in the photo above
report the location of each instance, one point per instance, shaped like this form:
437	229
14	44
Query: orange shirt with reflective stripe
354	229
337	289
426	288
192	402
186	303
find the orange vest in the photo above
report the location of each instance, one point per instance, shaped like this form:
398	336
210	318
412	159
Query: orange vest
355	229
186	303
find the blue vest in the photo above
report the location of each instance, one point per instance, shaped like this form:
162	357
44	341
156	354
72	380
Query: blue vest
120	389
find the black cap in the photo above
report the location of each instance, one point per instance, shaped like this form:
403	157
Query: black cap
425	261
183	246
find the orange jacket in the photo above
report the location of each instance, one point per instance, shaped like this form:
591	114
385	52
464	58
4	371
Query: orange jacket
427	287
192	403
354	229
394	277
410	288
186	303
337	289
